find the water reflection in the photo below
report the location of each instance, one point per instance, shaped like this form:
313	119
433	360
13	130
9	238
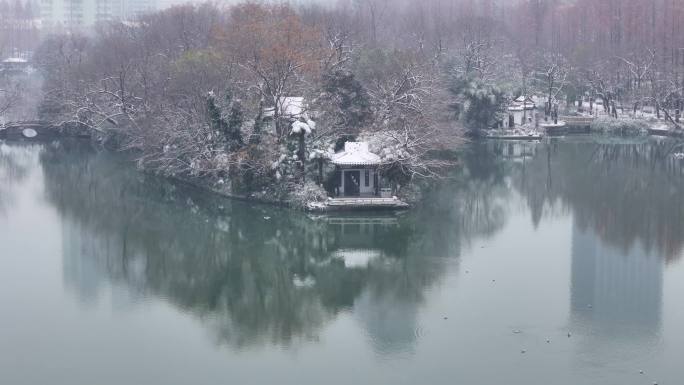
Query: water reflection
625	199
15	164
257	275
253	274
616	294
627	192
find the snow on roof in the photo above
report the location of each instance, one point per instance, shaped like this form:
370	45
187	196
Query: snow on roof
524	101
355	154
519	107
15	60
522	98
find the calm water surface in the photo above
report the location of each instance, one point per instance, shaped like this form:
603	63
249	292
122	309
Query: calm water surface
108	276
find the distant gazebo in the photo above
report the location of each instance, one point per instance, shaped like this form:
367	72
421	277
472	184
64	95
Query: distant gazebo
357	170
520	112
14	65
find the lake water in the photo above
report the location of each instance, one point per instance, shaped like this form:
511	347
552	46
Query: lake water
550	263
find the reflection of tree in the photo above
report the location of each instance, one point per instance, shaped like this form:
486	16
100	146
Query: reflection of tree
15	162
255	280
624	191
255	275
475	197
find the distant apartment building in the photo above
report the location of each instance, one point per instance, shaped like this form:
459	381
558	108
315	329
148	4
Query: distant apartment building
87	13
135	8
19	28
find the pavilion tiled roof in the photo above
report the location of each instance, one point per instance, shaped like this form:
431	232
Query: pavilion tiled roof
356	154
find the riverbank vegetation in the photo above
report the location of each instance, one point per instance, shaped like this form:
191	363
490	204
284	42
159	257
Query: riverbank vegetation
252	99
8	95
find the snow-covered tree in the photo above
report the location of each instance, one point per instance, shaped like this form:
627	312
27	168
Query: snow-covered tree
9	95
478	104
551	76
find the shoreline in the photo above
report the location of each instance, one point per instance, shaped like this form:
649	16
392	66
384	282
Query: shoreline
55	133
321	207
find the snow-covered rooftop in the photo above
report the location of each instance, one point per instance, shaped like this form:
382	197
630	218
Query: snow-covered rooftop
521	102
291	106
519	107
356	154
15	60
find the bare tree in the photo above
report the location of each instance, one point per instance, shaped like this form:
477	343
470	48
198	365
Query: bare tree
602	85
639	67
277	52
411	118
553	74
9	95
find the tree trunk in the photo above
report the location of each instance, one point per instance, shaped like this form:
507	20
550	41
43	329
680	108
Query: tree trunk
555	114
320	171
301	154
547	109
669	118
258	121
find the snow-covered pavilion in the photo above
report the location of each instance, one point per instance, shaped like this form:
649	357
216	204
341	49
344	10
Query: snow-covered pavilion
358	170
14	65
521	112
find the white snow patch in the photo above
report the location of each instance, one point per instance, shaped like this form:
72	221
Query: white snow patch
300	127
300	283
15	60
357	258
292	106
356	153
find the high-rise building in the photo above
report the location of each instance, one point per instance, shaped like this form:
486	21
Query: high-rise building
616	293
87	13
135	8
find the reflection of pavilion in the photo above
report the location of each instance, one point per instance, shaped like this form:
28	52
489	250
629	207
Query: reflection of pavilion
615	295
250	280
515	151
387	308
357	238
253	281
